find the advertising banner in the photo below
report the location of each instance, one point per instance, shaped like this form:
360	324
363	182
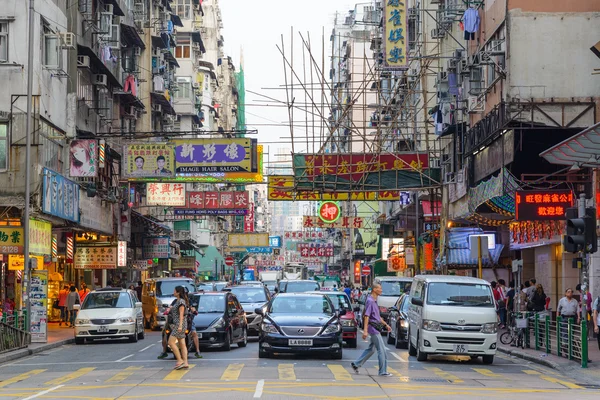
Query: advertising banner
299	235
156	247
11	240
96	258
218	200
542	205
186	212
248	240
249	220
343	222
60	196
148	160
396	33
122	254
213	155
39	306
83	158
165	194
315	249
40	237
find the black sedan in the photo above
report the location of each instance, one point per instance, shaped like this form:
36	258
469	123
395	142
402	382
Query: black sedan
300	323
251	298
398	318
221	320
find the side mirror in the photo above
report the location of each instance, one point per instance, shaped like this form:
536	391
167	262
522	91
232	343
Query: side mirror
77	307
138	304
392	309
259	311
150	294
342	312
416	302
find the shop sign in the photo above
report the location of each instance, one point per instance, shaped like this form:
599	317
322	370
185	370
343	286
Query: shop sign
95	213
185	263
96	258
11	240
249	220
263	250
218	200
122	254
343	222
38	300
16	262
329	211
156	247
542	205
391	247
428	256
165	194
60	196
83	158
315	249
396	264
213	155
184	212
148	160
275	241
396	33
141	265
248	240
299	235
40	237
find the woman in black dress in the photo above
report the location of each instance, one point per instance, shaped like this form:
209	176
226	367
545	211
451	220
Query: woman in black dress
178	324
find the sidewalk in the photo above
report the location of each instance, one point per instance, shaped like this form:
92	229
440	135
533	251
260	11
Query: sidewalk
57	336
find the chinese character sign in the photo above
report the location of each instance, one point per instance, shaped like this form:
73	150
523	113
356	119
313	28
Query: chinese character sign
329	211
165	194
275	241
40	237
60	196
396	33
248	240
315	249
11	240
148	160
96	257
213	155
542	205
83	158
249	220
39	306
342	222
293	236
156	247
122	254
218	200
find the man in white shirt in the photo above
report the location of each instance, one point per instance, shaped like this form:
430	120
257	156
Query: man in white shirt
596	308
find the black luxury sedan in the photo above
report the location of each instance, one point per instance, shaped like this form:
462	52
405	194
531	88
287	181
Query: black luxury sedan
221	320
300	323
399	322
251	298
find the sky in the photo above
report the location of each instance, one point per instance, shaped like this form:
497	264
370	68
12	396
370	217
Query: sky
256	28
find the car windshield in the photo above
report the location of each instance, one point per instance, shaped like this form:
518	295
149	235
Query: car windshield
301	305
204	303
220	286
330	283
394	288
250	294
340	301
166	288
205	286
107	300
459	294
299	287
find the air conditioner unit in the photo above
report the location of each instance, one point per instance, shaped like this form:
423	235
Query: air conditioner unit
496	45
138	51
412	13
442	76
460	176
434	163
452	63
108	8
196	85
212	227
449	177
68	40
100	80
462	68
438	33
157	108
474	105
83	61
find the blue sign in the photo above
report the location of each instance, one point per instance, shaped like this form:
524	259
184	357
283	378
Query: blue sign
274	241
60	196
264	250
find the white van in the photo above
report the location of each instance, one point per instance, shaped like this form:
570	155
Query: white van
392	287
452	315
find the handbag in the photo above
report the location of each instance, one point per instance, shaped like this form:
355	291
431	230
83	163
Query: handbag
378	326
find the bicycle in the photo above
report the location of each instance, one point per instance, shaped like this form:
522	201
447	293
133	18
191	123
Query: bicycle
515	335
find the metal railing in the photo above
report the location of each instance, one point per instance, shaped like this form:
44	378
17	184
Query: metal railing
12	338
17	319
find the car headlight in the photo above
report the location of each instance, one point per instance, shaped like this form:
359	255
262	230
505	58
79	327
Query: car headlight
348	322
128	320
492	327
404	323
220	323
430	325
268	328
332	329
82	321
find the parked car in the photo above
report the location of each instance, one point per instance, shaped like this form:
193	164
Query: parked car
392	287
252	297
205	287
251	283
398	321
109	313
348	320
299	286
221	320
300	323
157	296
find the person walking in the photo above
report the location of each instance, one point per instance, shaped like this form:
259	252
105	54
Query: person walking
178	323
500	298
568	307
596	308
62	305
83	292
72	299
373	326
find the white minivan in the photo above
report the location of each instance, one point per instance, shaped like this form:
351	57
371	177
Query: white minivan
452	315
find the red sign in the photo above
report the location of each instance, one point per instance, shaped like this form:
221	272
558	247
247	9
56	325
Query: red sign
303	235
249	220
366	270
315	249
229	261
542	205
217	200
329	211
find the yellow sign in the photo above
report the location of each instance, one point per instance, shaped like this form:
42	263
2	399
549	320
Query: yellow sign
16	262
396	32
249	240
11	240
281	188
40	237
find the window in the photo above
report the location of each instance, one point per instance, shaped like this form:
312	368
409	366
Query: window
51	150
184	9
3	41
51	48
183	51
3	146
185	88
459	294
85	90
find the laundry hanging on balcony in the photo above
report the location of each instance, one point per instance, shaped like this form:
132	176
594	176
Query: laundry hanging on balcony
471	22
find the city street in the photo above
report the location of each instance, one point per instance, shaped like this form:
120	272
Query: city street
121	370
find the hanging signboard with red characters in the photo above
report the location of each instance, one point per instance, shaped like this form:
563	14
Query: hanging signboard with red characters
315	249
218	200
329	211
299	235
542	205
249	220
343	222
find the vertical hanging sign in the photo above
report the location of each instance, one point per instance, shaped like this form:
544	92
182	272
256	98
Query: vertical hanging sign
54	247
249	219
70	252
396	32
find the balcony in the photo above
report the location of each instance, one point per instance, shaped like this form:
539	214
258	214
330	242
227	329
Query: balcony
488	129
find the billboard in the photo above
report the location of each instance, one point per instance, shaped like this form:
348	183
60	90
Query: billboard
542	205
396	32
156	247
165	194
218	200
11	240
144	160
213	155
40	237
60	196
83	158
366	238
96	258
248	240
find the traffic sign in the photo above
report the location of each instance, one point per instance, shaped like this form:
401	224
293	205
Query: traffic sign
366	270
229	261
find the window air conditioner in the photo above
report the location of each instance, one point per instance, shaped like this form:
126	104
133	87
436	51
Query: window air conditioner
138	51
438	33
83	61
100	80
109	8
68	40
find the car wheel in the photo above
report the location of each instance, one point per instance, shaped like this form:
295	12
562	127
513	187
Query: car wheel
79	340
263	354
411	349
244	341
488	359
142	334
352	343
134	337
227	344
421	356
338	355
390	339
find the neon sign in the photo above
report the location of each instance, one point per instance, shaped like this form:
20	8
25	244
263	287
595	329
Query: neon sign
542	205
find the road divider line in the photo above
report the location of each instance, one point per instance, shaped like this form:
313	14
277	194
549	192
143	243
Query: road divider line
124	358
126	373
70	377
232	373
43	392
531	372
146	348
177	374
259	389
286	372
398	357
445	375
488	373
552	379
21	377
339	372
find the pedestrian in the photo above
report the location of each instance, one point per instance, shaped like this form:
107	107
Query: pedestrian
62	304
178	323
348	291
596	308
138	290
83	292
567	308
587	299
373	326
72	299
500	297
532	288
510	302
538	299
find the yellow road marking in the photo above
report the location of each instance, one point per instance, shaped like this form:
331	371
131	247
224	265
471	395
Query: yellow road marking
177	374
339	372
444	374
70	377
126	373
398	374
21	377
286	372
232	373
531	372
488	373
553	380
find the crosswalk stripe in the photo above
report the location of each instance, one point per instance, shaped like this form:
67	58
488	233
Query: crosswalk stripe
177	374
444	375
70	377
126	373
339	372
232	373
286	372
21	377
488	373
551	379
398	375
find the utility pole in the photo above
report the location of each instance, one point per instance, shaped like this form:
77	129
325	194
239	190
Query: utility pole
583	255
417	252
479	258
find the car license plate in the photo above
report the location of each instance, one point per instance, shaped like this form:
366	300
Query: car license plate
461	348
103	329
300	342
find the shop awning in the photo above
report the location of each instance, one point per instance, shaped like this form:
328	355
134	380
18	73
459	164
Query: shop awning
158	42
159	98
151	225
131	37
198	39
458	254
170	59
116	7
580	150
176	20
